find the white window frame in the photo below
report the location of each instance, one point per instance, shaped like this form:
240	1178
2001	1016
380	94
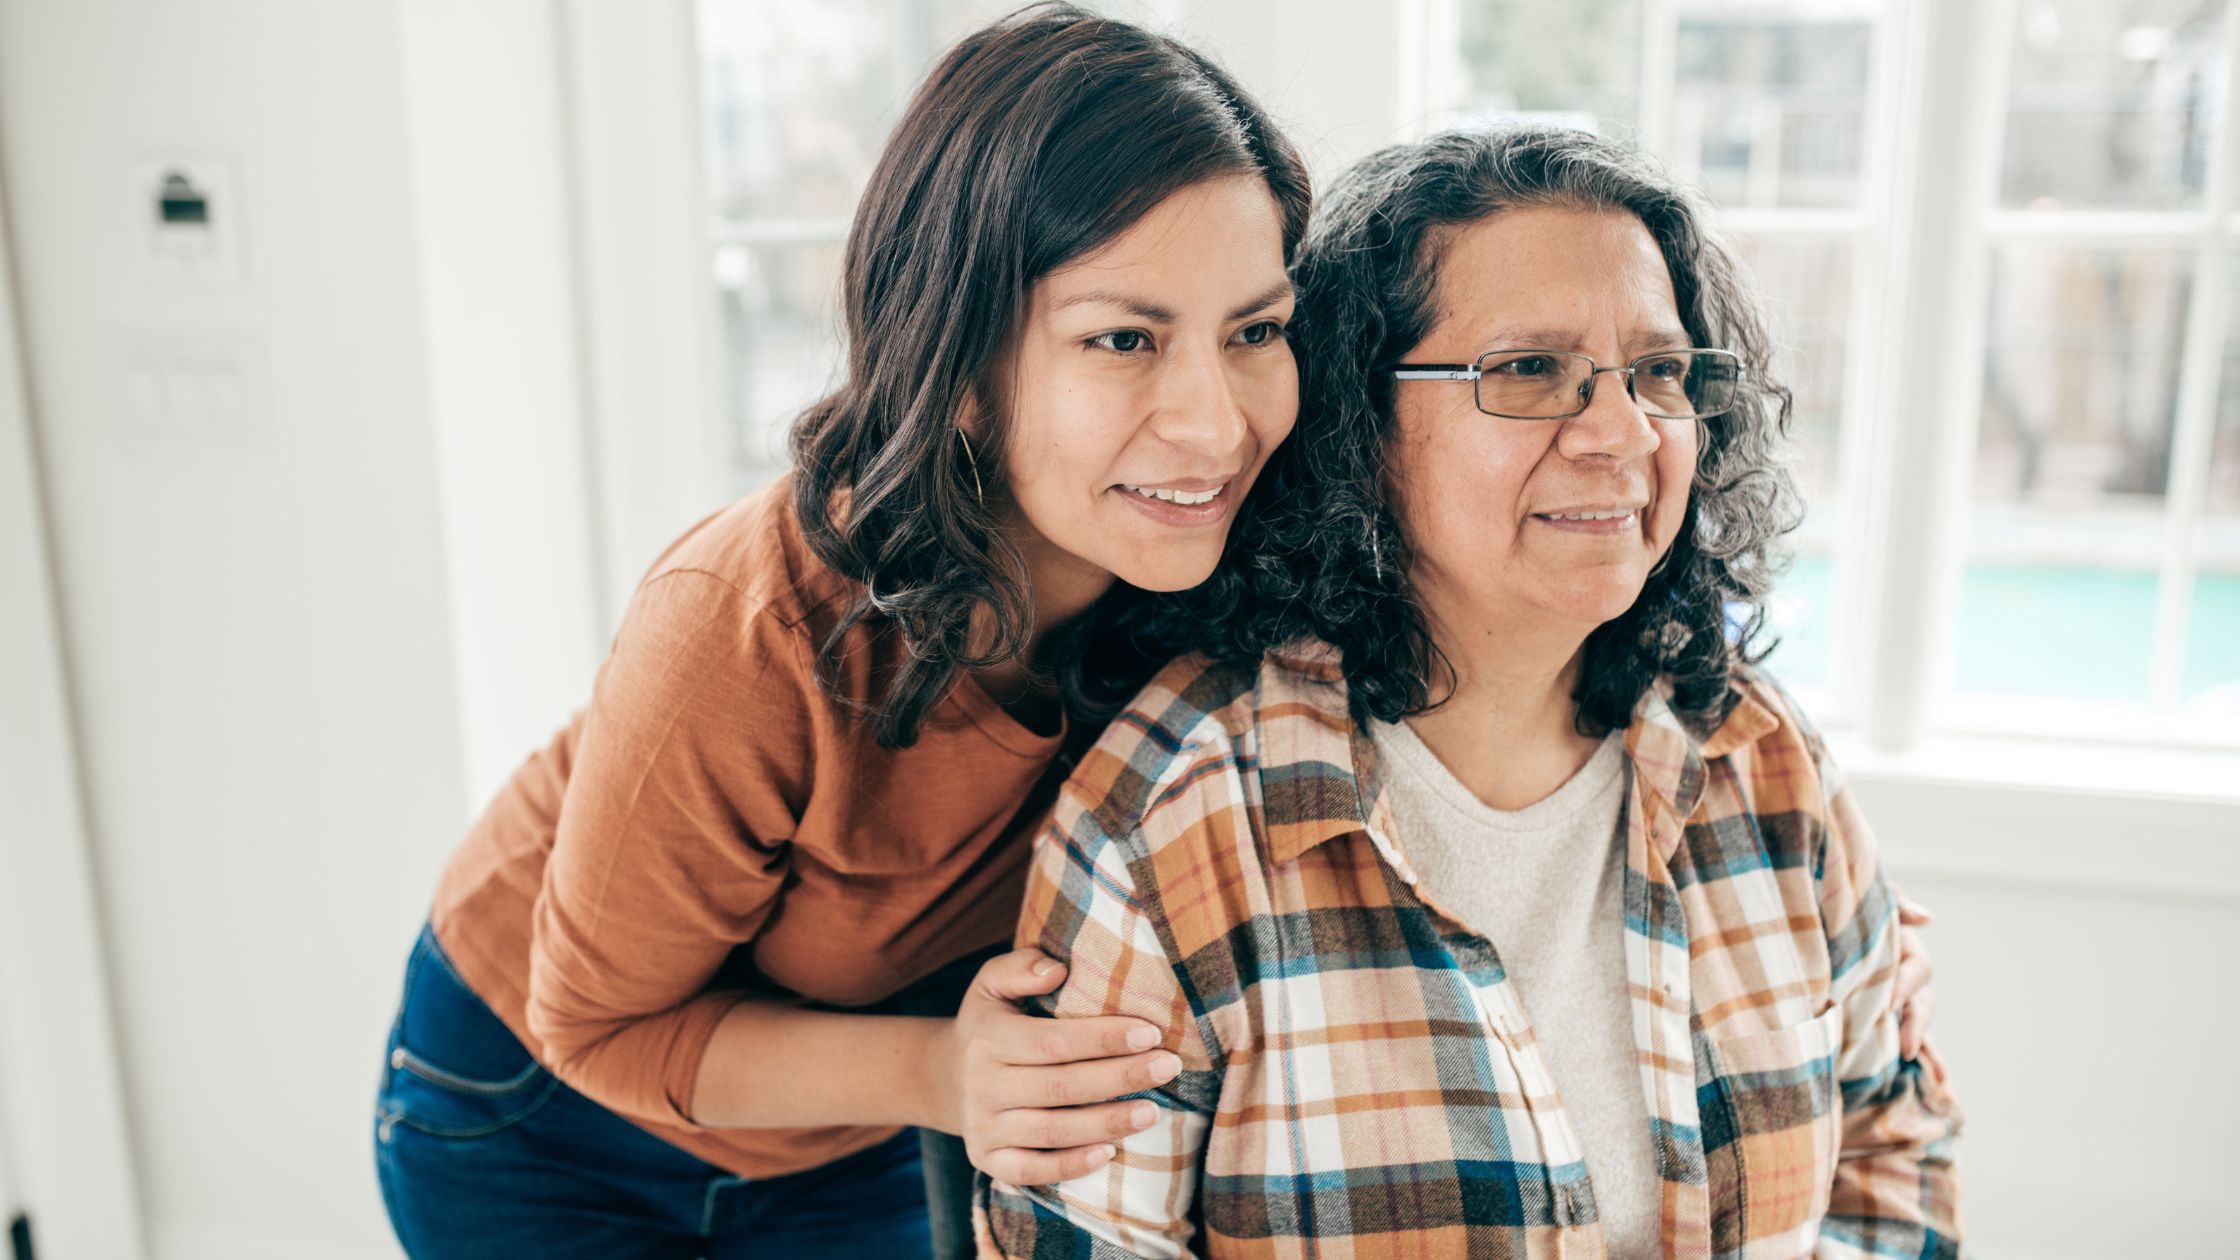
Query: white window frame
1922	244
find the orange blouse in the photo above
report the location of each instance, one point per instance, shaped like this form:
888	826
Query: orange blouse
715	826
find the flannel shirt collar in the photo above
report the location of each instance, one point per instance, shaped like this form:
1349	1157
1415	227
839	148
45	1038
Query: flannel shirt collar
1304	684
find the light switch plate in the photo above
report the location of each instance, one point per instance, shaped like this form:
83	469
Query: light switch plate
182	394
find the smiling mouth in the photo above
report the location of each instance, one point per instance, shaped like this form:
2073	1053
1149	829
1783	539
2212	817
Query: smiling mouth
1185	498
1614	514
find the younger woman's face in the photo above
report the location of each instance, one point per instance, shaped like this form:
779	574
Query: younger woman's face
1148	385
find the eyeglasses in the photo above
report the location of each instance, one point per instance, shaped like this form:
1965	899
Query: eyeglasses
1556	385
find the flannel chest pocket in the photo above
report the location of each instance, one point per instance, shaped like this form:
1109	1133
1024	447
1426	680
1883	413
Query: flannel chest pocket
1772	1130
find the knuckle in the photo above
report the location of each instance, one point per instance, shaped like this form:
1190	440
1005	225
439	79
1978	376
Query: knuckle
1062	1091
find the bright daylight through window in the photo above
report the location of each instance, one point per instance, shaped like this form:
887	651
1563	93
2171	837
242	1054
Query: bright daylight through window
2100	568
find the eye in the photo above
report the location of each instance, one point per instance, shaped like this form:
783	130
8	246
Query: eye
1525	365
1670	368
1262	333
1125	341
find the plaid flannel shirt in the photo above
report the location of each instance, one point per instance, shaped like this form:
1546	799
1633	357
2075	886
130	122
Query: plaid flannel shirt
1359	1079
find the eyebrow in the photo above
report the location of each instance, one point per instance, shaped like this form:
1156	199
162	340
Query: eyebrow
1550	339
1162	315
1275	293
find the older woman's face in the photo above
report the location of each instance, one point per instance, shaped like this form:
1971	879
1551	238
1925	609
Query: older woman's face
1542	518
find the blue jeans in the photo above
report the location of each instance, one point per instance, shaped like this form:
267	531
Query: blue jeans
484	1153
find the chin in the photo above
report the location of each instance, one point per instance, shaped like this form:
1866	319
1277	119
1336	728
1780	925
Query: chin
1601	602
1176	573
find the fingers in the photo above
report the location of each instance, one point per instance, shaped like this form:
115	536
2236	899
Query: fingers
1051	1130
1024	1040
1915	967
1042	1168
1911	913
1913	1025
1934	1060
1022	973
1021	1038
1079	1084
1036	1147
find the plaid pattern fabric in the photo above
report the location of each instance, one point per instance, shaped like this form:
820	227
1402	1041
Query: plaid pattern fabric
1359	1079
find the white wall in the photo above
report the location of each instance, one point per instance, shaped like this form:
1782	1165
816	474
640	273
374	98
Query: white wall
299	647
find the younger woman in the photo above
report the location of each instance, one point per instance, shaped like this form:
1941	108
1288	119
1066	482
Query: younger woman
655	1012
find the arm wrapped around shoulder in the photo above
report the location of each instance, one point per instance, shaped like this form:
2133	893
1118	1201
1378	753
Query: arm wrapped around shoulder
1094	902
1896	1191
672	846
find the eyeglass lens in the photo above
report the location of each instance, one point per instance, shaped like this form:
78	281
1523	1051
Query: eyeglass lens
1541	384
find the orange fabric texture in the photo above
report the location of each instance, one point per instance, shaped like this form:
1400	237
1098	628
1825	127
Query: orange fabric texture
713	826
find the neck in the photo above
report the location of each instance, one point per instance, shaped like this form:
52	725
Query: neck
1508	729
1062	586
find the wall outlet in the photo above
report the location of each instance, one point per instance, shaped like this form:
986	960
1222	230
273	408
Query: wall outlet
186	216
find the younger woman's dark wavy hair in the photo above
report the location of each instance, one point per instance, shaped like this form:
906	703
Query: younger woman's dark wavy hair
1032	143
1319	551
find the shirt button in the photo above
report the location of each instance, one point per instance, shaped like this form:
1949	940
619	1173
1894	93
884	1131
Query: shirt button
396	1057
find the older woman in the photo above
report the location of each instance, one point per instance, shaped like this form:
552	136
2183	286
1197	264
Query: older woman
1494	904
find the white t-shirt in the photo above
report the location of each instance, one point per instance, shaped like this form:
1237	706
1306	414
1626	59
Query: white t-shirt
1546	885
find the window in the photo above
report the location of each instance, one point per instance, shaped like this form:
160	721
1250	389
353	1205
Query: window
1764	107
2100	574
798	99
2091	582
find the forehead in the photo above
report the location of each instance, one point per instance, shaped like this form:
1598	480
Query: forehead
1554	268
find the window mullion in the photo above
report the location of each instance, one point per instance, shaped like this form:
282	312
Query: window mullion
2186	486
1660	38
1946	81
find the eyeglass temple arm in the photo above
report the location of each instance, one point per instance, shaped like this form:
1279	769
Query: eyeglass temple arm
1436	372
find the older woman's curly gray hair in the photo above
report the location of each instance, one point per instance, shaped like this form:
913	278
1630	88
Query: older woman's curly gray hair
1320	552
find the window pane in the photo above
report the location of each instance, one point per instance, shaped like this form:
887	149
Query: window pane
2080	387
799	96
2211	678
797	100
1806	284
1769	101
781	346
2111	103
1572	62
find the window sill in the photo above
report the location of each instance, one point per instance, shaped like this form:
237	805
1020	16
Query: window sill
2066	815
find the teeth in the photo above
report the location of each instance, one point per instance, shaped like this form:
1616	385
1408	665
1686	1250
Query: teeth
1590	516
1184	497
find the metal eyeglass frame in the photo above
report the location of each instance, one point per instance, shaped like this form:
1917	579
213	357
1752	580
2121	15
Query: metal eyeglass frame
1473	373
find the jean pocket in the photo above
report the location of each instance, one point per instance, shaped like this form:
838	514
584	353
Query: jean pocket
445	1104
1773	1129
455	1069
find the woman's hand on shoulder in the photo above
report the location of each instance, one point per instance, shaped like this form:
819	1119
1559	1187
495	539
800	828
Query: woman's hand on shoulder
1915	1000
1030	1096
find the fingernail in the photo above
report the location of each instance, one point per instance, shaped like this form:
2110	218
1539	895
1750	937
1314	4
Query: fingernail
1142	1038
1046	966
1164	1068
1101	1156
1143	1115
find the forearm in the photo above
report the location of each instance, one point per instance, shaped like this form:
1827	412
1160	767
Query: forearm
770	1066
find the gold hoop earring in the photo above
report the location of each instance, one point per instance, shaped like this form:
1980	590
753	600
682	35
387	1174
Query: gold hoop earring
973	461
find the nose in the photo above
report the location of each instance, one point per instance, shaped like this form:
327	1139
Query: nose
1197	404
1613	423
